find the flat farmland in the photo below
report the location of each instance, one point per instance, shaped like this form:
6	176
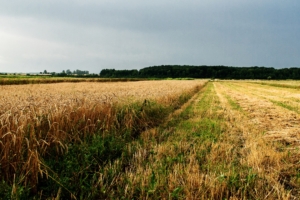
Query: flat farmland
170	139
43	121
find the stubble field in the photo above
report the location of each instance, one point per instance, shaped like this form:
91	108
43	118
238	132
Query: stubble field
151	140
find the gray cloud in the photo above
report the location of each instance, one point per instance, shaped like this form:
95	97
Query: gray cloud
92	35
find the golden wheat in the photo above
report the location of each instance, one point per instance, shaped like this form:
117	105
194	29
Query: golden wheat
39	117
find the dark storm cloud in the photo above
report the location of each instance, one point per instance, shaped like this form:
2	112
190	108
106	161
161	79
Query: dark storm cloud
92	35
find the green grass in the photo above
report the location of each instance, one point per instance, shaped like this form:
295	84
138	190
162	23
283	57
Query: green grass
286	105
194	133
233	104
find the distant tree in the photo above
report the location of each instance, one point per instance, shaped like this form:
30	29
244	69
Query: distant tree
45	72
79	72
68	71
218	72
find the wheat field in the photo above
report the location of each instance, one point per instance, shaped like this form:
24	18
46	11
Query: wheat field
170	139
37	120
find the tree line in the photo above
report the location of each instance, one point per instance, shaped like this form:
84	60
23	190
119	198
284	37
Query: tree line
67	72
219	72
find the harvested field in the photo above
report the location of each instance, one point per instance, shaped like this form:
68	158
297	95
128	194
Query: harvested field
282	83
273	110
271	131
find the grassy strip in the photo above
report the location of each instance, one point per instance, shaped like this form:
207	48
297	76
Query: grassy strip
188	158
199	154
233	104
76	158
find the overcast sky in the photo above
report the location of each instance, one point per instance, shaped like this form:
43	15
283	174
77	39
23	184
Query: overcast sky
96	34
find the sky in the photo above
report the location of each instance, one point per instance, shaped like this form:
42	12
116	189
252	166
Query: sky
56	35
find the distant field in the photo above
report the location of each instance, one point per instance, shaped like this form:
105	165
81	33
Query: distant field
22	80
168	139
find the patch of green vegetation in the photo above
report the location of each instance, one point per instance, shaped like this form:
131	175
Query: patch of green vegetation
77	171
286	105
233	104
195	133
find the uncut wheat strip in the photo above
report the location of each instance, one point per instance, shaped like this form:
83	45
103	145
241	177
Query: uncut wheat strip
81	94
38	100
79	90
112	167
34	99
